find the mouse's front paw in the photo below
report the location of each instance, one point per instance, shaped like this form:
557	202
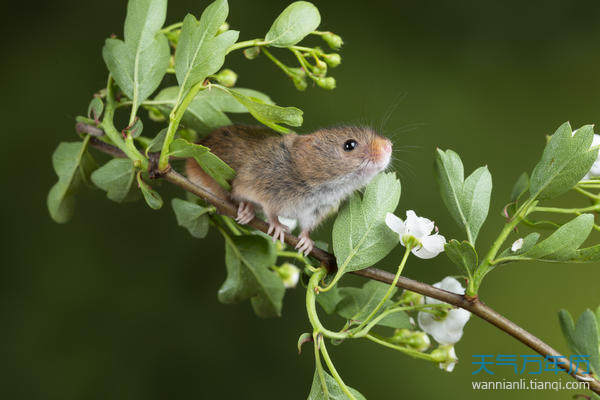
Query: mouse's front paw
305	244
277	229
245	213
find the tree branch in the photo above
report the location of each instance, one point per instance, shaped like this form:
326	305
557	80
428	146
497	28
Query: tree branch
474	305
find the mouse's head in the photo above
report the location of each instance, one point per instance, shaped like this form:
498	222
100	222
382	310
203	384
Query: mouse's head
346	151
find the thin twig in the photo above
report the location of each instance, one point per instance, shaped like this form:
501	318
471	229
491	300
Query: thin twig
474	305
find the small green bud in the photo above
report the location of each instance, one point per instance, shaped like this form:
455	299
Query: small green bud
300	83
252	52
445	356
226	77
320	67
289	274
334	41
326	83
417	340
223	28
333	59
411	298
298	72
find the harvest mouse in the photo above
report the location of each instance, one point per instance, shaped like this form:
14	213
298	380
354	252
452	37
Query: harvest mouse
302	177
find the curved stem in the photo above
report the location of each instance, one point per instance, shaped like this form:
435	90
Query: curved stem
247	43
311	308
558	210
334	372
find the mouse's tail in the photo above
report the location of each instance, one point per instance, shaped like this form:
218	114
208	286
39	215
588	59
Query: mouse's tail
198	176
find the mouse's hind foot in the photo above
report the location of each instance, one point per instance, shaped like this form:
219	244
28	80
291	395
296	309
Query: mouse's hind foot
277	229
305	244
245	213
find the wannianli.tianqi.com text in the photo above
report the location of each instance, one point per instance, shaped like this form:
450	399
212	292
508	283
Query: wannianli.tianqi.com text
530	384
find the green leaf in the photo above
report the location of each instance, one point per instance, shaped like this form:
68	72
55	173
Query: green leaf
329	300
210	163
200	52
248	259
582	337
207	110
201	115
520	187
192	217
157	142
72	165
268	114
357	303
467	200
565	161
223	101
293	24
115	178
95	109
139	63
568	328
563	243
360	235
151	196
332	392
588	254
463	255
304	338
137	128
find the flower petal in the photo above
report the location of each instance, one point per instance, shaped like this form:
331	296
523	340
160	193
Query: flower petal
431	246
418	227
395	224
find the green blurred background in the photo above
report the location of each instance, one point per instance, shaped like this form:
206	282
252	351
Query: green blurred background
121	303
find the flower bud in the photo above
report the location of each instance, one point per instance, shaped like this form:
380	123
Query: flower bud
326	83
289	274
333	59
417	340
445	356
320	67
224	27
411	298
226	77
300	84
334	41
252	52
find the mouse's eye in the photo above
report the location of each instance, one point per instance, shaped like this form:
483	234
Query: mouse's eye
350	145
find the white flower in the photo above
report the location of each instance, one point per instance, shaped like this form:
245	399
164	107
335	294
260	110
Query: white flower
517	245
449	329
419	228
290	274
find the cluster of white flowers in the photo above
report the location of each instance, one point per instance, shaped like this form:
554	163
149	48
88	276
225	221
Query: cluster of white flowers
448	328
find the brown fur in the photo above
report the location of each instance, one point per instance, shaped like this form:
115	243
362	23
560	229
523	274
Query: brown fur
288	175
